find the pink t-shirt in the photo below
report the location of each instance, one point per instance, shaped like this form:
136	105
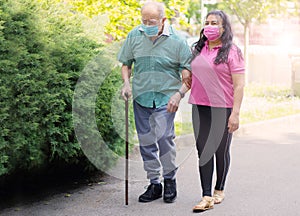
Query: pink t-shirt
212	84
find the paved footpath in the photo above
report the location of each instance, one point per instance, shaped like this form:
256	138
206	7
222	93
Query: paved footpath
263	181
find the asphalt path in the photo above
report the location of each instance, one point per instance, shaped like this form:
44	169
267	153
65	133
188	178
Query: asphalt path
263	180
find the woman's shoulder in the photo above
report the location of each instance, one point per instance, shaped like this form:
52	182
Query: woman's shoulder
235	54
234	47
235	50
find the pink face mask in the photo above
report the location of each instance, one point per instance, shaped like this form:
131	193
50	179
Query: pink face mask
211	32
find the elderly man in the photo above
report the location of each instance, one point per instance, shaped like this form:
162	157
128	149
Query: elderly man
161	78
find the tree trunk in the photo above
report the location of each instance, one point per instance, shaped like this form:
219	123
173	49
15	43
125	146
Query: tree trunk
246	45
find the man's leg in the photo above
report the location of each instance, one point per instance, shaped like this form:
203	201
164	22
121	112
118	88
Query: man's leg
167	151
164	122
147	141
149	151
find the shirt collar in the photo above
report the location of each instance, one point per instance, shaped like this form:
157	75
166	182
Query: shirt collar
166	30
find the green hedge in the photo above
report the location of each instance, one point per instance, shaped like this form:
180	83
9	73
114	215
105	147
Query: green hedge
42	55
97	95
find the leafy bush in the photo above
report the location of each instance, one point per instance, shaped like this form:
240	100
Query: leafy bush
42	55
97	95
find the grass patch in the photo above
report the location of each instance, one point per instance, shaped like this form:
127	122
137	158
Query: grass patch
260	109
182	128
260	103
263	102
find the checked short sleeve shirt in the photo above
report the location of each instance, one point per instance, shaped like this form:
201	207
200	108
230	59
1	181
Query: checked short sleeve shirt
157	65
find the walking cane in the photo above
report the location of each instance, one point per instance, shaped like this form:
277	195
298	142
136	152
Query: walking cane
126	149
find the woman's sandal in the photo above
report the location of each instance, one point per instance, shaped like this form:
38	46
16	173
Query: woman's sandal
206	203
218	196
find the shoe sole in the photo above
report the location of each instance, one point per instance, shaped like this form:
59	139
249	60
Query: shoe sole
145	201
202	210
169	201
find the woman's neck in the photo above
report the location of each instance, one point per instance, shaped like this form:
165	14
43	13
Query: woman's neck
212	44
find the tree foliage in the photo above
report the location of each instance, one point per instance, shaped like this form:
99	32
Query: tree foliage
121	15
257	11
193	11
124	15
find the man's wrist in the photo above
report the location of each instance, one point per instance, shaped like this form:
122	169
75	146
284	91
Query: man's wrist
181	93
126	81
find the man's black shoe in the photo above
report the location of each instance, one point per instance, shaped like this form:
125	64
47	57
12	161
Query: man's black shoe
170	192
153	192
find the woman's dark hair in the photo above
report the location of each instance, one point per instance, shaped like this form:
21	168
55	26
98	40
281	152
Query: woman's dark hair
226	39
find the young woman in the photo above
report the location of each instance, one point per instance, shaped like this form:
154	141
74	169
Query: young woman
216	95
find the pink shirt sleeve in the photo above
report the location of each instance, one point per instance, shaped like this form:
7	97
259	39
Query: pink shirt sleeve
235	61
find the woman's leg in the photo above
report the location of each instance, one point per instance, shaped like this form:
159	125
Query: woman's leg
201	116
223	156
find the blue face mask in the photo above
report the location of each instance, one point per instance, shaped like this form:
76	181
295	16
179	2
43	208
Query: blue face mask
151	31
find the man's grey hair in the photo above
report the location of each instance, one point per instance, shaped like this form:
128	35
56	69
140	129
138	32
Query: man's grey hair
160	7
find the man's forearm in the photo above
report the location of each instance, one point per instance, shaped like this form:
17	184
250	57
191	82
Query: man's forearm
186	79
126	73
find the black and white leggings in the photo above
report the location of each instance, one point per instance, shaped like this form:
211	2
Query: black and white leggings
212	141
